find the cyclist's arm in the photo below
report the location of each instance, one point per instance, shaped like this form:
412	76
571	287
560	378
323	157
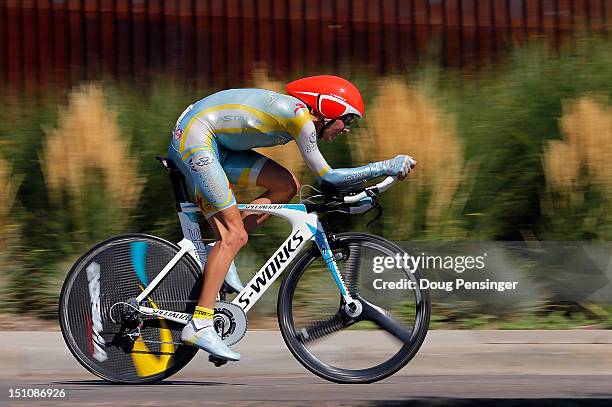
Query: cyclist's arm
307	143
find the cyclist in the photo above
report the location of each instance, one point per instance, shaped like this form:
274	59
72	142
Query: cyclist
212	145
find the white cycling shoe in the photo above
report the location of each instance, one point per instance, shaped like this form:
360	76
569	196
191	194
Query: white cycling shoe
232	279
208	340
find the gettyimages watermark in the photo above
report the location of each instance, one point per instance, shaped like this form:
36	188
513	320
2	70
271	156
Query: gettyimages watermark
509	276
459	264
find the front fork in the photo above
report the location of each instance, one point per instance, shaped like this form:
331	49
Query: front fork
351	306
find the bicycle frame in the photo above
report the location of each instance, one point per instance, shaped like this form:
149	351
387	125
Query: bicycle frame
304	228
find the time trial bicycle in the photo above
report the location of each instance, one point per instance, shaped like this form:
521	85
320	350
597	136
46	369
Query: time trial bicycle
124	302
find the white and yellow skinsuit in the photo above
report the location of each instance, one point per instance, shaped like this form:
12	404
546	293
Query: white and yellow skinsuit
213	139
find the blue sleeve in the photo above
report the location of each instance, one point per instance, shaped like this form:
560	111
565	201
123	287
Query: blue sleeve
352	176
307	143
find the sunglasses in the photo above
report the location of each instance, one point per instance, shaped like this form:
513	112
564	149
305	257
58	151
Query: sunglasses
348	119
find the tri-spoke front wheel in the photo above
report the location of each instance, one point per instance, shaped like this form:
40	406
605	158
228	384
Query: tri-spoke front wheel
361	345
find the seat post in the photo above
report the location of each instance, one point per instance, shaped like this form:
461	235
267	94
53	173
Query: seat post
177	179
179	187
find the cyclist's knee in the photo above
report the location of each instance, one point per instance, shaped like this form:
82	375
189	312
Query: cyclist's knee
234	239
241	238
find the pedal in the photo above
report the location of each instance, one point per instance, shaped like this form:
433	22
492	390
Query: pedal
216	361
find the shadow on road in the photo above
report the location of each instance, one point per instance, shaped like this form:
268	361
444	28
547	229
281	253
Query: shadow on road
487	402
163	383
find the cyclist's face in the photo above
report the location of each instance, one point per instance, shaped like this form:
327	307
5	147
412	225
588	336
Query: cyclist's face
333	130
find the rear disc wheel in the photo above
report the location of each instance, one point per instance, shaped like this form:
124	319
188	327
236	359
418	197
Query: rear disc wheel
134	348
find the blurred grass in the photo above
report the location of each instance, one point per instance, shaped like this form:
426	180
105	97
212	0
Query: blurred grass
9	225
577	201
403	119
516	150
88	170
505	115
524	320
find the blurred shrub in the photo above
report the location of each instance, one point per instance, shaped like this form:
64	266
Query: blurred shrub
92	185
9	185
504	115
90	175
486	169
146	117
577	201
9	228
402	119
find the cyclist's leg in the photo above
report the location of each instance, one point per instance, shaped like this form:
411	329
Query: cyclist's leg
214	196
254	169
200	161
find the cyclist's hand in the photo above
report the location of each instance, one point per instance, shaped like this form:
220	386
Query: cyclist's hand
399	166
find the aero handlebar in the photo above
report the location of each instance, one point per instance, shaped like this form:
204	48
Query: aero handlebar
380	187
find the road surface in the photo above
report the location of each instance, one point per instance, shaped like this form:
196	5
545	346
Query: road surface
453	367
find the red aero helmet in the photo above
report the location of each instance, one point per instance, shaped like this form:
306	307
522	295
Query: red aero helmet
330	96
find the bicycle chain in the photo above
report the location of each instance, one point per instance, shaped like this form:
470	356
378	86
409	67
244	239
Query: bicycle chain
139	337
163	342
159	342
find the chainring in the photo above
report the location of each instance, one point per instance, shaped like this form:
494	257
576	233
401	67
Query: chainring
230	322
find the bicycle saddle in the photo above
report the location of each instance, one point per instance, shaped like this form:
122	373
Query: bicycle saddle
168	164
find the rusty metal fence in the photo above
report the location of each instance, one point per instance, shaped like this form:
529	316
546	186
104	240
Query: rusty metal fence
220	42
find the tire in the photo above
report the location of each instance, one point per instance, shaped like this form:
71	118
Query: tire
119	268
322	360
